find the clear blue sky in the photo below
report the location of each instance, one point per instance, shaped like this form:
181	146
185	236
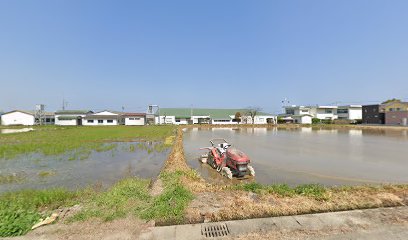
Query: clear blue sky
108	54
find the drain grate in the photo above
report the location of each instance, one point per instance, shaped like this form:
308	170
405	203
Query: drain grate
214	230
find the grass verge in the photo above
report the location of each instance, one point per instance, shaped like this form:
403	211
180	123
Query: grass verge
19	211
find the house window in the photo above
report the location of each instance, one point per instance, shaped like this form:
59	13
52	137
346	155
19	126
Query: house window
339	111
328	111
100	121
304	111
109	121
290	111
178	120
136	118
90	121
131	119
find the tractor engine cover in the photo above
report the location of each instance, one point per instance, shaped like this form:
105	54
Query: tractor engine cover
237	156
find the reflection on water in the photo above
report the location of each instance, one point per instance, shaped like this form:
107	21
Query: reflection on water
143	159
311	155
15	130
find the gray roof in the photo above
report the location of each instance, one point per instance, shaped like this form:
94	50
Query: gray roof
30	112
70	112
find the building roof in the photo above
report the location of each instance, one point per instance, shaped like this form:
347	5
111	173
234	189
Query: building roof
70	112
213	113
30	112
91	116
133	114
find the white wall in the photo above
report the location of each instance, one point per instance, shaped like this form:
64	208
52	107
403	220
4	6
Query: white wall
304	119
222	121
17	118
134	121
355	113
320	113
72	122
94	122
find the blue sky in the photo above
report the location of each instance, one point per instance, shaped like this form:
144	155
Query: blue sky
225	54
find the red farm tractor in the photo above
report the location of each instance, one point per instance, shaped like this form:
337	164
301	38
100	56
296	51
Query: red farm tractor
229	161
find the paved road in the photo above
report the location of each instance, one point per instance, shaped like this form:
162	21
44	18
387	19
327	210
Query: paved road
381	223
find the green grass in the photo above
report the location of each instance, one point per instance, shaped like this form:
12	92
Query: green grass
310	190
19	211
132	196
55	140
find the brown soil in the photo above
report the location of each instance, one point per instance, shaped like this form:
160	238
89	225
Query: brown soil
126	228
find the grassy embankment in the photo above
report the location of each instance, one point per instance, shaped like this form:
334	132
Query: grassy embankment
19	211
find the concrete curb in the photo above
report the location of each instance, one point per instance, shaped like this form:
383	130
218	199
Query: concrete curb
367	218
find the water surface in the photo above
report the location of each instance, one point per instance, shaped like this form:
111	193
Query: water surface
306	155
141	159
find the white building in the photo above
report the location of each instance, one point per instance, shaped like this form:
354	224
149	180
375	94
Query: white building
26	118
134	119
209	116
347	112
103	118
18	117
324	112
70	117
350	112
302	119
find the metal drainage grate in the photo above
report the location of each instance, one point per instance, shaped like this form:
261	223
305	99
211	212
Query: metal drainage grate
214	230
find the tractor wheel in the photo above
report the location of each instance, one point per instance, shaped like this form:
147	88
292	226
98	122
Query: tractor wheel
251	171
226	172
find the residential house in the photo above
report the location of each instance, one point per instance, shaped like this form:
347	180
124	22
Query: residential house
324	112
318	111
373	114
26	118
396	113
350	112
70	117
302	119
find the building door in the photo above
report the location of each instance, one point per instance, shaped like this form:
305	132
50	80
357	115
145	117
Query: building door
79	121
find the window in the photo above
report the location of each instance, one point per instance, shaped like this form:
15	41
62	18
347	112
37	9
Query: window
90	121
109	121
339	111
222	120
100	121
328	111
136	118
290	111
178	120
304	110
398	109
131	119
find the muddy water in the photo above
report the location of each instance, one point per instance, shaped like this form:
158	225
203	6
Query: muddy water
306	155
101	168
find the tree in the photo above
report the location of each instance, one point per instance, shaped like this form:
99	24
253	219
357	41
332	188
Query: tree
391	100
252	112
237	117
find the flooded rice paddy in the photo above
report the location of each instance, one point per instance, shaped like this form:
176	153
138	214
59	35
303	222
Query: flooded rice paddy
306	155
74	171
